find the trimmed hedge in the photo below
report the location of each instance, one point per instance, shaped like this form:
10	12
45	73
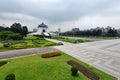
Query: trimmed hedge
52	54
3	63
74	70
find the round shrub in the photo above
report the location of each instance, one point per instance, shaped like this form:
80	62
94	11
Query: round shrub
74	70
10	77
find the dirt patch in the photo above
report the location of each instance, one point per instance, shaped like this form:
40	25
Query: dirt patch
85	71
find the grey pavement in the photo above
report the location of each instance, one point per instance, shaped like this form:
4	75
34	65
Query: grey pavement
104	55
24	52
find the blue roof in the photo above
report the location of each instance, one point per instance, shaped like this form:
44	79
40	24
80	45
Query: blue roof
42	25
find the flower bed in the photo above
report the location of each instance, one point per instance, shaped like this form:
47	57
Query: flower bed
85	71
52	54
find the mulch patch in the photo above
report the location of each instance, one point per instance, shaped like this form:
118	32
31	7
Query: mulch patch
85	71
52	54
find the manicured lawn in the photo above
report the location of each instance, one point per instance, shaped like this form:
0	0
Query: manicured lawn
28	42
30	37
69	39
37	68
32	44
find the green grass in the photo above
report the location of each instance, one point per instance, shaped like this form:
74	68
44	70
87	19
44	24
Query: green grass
1	46
2	49
32	44
30	37
37	68
29	42
69	39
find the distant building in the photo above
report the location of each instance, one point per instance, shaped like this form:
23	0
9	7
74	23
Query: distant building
75	29
42	28
59	30
118	31
42	25
35	30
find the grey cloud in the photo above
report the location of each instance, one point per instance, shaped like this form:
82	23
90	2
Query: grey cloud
64	10
10	6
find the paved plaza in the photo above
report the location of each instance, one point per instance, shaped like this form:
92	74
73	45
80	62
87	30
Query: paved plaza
104	55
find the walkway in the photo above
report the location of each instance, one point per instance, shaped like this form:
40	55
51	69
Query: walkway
24	52
104	55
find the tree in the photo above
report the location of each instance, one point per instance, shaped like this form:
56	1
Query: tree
4	28
9	35
112	33
15	36
4	35
16	27
1	28
25	30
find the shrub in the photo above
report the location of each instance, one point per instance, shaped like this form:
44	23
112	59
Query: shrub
15	36
4	35
3	63
74	70
47	55
10	77
18	46
29	46
6	44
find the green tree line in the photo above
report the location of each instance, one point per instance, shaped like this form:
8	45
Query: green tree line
94	32
15	32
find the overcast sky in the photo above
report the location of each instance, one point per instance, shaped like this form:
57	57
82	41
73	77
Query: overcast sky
64	14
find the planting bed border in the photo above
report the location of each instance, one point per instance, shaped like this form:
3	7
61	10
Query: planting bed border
91	75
